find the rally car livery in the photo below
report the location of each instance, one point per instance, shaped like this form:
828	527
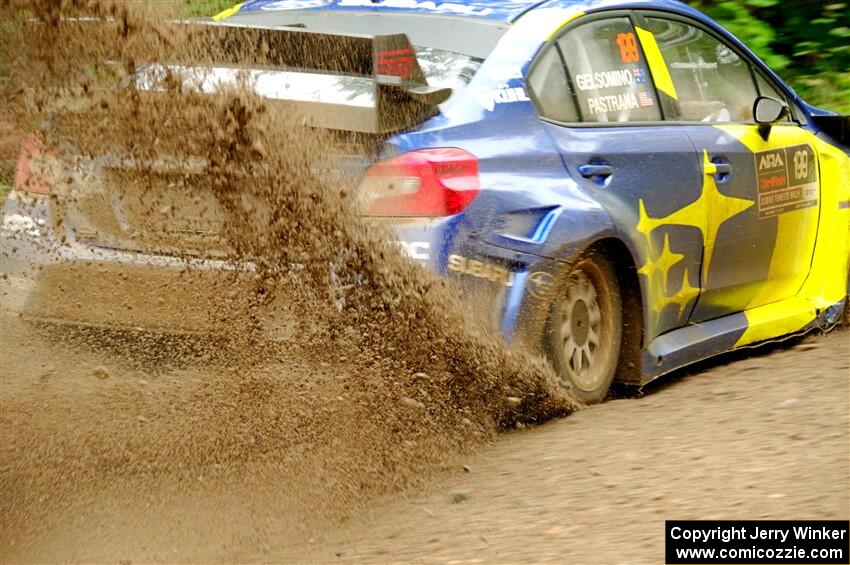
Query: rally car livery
631	185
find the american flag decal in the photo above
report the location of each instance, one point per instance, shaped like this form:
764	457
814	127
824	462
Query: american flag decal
645	99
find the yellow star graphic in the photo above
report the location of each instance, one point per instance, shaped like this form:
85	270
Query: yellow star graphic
661	267
707	213
681	298
710	211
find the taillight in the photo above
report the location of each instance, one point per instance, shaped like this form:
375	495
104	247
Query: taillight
28	175
428	182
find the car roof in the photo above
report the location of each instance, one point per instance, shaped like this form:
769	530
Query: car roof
587	5
501	10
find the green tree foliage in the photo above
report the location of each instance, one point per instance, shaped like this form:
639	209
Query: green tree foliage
195	8
806	41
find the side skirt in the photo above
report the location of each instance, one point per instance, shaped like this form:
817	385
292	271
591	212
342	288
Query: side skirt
772	322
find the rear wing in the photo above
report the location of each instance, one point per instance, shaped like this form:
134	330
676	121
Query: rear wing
398	94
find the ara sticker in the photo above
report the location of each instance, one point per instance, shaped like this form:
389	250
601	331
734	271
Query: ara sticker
787	179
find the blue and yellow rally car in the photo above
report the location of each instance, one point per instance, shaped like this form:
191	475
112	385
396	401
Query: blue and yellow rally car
630	185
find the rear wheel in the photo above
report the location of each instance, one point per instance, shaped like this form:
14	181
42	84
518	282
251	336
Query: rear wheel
584	331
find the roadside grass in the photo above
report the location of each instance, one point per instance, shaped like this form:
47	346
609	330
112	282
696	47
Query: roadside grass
202	8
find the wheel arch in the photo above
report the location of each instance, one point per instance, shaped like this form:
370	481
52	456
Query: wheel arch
620	255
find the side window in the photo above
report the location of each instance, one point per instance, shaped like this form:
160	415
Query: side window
767	89
711	83
609	73
550	90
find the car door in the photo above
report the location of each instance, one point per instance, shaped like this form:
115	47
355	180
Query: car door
760	187
592	88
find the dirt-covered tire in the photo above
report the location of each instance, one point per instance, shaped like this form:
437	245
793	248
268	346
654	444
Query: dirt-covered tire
584	330
845	318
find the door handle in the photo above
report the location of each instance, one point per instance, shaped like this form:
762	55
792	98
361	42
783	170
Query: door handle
714	169
590	171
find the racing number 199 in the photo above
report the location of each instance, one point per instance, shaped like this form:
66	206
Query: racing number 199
628	47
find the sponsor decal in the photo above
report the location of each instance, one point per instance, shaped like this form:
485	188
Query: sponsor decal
627	43
489	98
416	250
447	7
613	103
296	4
397	62
605	79
539	283
787	179
480	270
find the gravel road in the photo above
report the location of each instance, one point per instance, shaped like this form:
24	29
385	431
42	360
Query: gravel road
764	437
758	437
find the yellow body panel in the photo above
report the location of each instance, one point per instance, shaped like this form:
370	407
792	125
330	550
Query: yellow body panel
826	281
224	14
560	26
797	230
777	319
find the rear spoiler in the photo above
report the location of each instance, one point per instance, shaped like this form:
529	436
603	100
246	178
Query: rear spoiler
402	96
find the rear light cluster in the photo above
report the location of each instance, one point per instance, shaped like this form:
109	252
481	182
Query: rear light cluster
425	183
28	175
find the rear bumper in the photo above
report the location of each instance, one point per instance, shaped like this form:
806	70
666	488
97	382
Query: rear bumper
75	283
69	282
508	290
